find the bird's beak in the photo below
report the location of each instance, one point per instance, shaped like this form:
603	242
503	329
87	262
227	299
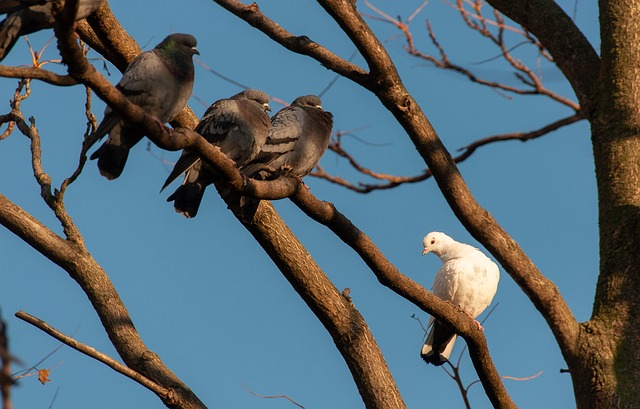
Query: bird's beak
267	107
425	251
195	50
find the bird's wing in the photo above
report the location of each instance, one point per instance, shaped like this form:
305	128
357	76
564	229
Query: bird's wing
9	6
142	75
447	280
186	161
216	122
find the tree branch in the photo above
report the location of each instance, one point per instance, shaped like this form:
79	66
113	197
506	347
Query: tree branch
104	298
388	275
392	181
339	316
298	44
571	51
389	89
37	74
541	291
93	353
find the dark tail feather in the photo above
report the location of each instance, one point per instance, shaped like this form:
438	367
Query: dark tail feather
111	160
187	160
9	34
187	198
437	348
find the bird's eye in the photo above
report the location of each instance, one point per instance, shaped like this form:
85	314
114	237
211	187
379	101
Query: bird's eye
433	241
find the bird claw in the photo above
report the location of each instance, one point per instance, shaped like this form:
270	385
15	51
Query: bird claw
476	321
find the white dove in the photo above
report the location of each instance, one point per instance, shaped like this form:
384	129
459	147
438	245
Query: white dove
467	278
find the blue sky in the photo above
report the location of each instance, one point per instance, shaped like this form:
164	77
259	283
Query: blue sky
204	295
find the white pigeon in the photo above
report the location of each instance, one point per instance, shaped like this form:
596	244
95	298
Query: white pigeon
467	278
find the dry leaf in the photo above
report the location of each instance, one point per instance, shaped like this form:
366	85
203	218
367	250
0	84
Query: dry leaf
43	376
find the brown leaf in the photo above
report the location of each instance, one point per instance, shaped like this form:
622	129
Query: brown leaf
43	376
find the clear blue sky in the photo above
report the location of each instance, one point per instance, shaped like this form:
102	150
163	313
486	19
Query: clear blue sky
204	295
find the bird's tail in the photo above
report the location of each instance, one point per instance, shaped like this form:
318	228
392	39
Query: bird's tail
111	160
10	29
438	346
187	198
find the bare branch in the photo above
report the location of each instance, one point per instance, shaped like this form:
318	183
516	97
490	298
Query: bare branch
298	44
394	181
37	74
343	321
519	136
388	275
273	396
571	51
93	353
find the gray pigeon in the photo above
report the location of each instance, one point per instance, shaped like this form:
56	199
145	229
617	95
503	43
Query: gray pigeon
467	278
238	126
28	16
298	137
160	81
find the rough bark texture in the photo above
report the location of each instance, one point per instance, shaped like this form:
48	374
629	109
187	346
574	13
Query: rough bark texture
339	316
610	362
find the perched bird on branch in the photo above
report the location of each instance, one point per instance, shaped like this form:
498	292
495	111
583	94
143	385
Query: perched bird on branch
298	137
28	16
160	81
238	126
467	278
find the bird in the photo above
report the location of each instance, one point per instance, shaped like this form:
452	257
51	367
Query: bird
467	278
298	137
238	126
28	16
160	81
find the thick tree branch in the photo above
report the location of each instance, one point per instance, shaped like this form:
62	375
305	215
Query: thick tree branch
478	221
93	280
389	276
387	86
339	316
95	354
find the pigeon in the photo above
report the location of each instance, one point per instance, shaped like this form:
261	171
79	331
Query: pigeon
467	278
28	16
238	126
298	137
160	81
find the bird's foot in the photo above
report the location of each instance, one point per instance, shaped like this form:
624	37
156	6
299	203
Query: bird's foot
286	168
162	125
476	321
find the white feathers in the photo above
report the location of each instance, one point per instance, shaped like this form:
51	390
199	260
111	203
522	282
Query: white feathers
467	278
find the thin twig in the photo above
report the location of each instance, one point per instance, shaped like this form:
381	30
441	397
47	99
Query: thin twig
394	181
93	353
273	397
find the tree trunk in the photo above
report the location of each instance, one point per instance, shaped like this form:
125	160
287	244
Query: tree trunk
607	370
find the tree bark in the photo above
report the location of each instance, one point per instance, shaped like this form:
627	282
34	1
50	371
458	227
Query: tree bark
80	265
608	370
345	324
